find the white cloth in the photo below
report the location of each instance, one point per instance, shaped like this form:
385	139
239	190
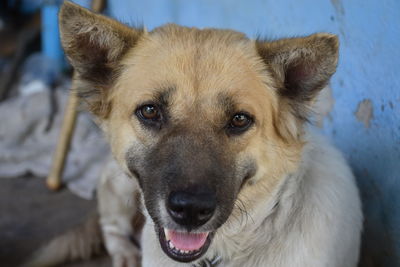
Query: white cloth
28	140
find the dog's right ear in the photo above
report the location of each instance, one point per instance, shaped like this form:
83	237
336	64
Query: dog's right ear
94	45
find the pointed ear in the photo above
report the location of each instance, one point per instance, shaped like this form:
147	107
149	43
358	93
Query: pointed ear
94	45
301	67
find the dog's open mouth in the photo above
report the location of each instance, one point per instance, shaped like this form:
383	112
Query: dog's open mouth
184	246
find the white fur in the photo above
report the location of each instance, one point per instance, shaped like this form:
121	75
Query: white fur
117	206
313	219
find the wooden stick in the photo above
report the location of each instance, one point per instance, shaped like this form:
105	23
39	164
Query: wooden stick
98	5
54	180
66	133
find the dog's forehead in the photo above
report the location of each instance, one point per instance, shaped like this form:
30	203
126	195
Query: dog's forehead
201	65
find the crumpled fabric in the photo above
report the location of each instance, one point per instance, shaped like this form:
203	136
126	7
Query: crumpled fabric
29	131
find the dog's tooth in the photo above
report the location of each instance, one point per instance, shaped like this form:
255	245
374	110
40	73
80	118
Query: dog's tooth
166	232
171	245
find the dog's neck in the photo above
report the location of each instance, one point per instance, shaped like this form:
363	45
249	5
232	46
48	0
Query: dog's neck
267	218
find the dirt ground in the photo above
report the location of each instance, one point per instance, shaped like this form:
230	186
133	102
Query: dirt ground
30	215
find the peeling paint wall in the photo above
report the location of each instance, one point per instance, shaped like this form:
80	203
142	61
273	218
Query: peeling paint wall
362	111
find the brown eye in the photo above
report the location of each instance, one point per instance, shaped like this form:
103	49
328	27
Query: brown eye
149	112
240	120
239	123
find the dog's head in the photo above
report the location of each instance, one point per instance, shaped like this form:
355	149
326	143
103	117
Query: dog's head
202	118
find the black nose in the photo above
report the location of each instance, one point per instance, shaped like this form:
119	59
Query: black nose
191	208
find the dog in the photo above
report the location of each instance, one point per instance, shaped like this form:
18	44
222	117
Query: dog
211	143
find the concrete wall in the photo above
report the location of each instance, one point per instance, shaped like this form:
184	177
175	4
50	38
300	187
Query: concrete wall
364	121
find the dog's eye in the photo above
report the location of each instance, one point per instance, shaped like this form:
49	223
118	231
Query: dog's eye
239	123
240	120
149	112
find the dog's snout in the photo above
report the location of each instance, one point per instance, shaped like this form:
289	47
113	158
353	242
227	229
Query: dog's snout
191	208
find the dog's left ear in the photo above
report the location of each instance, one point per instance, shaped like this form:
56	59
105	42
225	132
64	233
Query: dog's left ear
301	67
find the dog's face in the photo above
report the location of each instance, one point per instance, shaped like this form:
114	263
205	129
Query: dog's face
203	119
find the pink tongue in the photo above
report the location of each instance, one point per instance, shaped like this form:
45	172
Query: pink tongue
187	241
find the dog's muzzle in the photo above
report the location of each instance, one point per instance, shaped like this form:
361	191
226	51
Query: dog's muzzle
190	208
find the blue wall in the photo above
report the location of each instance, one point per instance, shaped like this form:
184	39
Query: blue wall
365	119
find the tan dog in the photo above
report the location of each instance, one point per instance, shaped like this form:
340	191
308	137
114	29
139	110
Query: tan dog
208	129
